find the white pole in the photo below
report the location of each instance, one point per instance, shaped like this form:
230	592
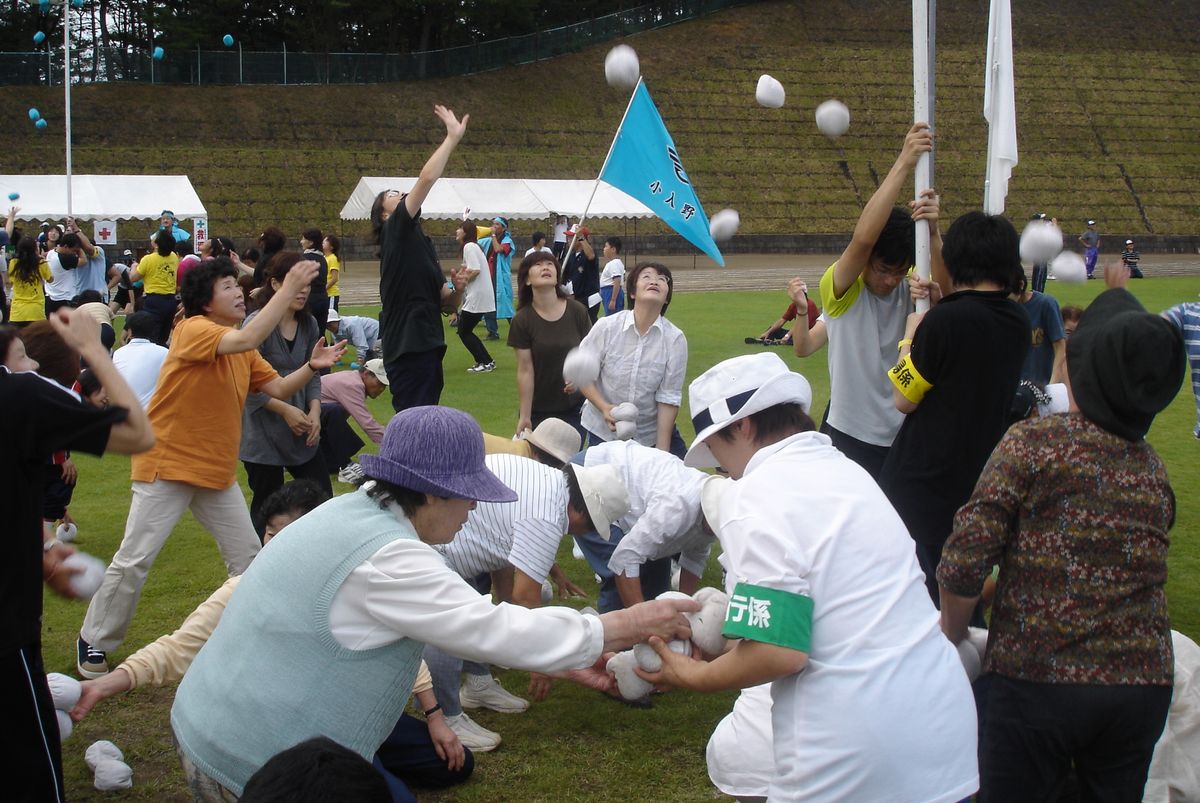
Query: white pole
240	63
67	91
921	109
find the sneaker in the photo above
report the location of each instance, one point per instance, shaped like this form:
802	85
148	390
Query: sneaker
351	474
492	336
473	735
90	662
486	692
491	366
482	368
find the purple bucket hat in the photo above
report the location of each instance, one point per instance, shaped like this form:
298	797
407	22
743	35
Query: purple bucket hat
438	451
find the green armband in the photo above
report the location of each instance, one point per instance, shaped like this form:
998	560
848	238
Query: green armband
770	616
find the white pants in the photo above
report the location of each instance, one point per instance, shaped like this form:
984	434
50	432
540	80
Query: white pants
156	509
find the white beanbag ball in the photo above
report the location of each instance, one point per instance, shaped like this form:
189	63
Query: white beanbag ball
65	726
1040	242
87	582
621	67
112	775
724	224
626	430
580	368
625	411
64	690
100	751
1068	267
66	532
648	659
547	592
769	92
833	118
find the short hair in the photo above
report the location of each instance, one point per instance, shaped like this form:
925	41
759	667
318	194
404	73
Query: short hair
164	242
538	237
88	296
383	492
8	334
56	360
661	269
198	283
318	770
88	382
313	235
981	248
575	495
143	324
71	240
775	422
221	246
897	242
615	242
298	497
524	291
272	239
1071	314
251	255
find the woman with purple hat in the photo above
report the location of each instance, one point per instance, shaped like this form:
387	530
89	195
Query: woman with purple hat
341	603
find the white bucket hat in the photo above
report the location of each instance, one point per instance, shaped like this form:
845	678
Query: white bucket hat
736	388
604	495
555	437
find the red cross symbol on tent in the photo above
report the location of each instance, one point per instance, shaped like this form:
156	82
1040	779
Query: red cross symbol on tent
105	233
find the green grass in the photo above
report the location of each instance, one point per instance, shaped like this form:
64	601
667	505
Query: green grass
575	746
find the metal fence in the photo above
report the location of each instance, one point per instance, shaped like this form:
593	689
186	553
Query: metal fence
235	66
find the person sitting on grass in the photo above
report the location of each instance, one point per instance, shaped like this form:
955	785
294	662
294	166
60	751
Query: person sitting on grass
777	334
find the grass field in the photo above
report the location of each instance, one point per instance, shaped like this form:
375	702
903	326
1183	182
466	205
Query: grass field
575	746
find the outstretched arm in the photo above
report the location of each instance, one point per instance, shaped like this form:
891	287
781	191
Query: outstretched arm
433	168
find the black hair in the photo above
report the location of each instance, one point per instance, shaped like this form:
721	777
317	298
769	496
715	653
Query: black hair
524	291
251	255
377	220
615	242
318	770
335	244
221	246
538	237
69	240
88	383
544	457
775	423
142	324
272	239
896	245
164	242
632	277
8	334
88	297
298	497
313	235
279	267
983	248
383	492
196	292
575	494
28	261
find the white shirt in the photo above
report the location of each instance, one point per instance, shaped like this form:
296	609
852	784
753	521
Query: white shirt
479	296
560	232
613	269
644	369
525	533
664	515
139	361
61	286
361	331
883	710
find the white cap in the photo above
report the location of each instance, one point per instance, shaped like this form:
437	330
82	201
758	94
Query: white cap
736	388
555	437
375	366
333	316
604	495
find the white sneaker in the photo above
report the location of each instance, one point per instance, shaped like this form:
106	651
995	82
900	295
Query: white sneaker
484	691
351	474
473	735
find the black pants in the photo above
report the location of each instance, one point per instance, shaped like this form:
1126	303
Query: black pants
1037	282
29	739
51	306
319	307
162	306
416	378
408	758
1034	732
339	442
265	480
867	455
467	321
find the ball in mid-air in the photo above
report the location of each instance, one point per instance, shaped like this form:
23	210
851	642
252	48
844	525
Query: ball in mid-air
1069	267
769	92
621	67
227	39
833	118
724	224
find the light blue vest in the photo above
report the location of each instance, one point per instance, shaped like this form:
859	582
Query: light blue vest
273	675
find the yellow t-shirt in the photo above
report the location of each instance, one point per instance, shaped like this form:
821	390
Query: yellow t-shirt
29	298
158	273
332	290
196	411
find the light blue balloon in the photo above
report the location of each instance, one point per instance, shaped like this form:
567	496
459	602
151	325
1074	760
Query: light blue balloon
40	123
77	3
14	196
43	6
228	40
39	37
34	115
354	366
158	54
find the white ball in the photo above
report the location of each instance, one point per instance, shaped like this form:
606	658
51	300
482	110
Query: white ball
101	751
112	775
547	592
64	690
580	368
833	118
621	67
65	726
970	659
1069	267
66	532
87	582
1040	242
724	224
576	552
626	430
769	92
625	411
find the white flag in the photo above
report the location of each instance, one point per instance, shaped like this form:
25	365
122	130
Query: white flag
999	108
104	232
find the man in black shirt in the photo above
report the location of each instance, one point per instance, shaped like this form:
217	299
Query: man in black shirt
583	272
42	417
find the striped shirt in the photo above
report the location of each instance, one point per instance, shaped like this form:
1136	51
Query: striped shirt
1186	318
525	533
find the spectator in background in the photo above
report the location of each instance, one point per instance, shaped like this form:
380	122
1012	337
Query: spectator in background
582	272
1090	240
331	247
499	250
560	237
128	297
343	394
271	241
157	269
167	223
539	243
777	334
1130	259
1070	318
318	298
1046	361
478	300
140	360
361	332
612	278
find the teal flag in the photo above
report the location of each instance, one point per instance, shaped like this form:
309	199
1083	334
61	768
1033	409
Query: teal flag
644	164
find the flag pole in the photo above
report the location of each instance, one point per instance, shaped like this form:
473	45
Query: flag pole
603	167
921	112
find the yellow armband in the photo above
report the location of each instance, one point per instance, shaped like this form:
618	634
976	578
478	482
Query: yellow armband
908	380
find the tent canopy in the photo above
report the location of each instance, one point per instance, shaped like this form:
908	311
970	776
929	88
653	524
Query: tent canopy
514	198
102	197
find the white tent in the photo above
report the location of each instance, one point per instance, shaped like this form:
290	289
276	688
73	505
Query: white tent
515	198
102	197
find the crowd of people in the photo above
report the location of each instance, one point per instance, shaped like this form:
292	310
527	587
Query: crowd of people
980	465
